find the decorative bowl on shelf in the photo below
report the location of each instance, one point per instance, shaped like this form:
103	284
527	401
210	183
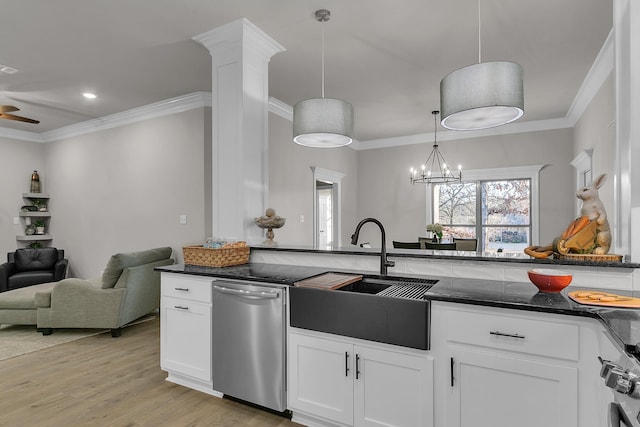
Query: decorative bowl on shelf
549	280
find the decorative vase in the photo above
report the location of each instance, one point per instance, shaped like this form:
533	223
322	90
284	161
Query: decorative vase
35	182
269	221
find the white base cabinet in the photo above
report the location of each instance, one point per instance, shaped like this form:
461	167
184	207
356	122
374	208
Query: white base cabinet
185	331
339	381
503	368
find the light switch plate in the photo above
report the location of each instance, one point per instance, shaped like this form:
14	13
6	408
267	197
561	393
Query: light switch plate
183	219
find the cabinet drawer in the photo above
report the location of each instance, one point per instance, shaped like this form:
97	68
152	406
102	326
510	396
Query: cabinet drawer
514	333
185	287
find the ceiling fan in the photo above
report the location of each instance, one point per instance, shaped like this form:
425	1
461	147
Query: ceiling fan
6	109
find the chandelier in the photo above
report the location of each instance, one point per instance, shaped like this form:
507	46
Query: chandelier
435	169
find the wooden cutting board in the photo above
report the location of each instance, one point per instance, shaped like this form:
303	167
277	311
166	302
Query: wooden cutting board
604	299
329	281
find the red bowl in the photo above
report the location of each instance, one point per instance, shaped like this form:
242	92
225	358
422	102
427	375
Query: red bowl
548	280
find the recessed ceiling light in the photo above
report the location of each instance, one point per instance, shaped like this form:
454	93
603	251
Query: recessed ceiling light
89	95
7	70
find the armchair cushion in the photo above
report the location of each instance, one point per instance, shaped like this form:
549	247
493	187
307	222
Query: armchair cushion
118	262
28	259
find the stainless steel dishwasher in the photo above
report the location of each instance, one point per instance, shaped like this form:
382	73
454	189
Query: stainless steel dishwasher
249	342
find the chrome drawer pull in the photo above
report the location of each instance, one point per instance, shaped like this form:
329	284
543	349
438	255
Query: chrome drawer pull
182	289
502	334
181	307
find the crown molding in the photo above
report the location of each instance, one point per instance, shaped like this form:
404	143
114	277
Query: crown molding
21	135
280	108
598	73
451	135
159	109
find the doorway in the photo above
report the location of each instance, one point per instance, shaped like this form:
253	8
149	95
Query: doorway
326	208
324	196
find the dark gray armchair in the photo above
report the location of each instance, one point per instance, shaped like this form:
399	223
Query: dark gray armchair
31	266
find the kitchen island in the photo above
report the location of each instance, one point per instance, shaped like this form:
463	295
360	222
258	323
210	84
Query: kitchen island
557	358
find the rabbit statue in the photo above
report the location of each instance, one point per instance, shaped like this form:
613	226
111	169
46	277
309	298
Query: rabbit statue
593	208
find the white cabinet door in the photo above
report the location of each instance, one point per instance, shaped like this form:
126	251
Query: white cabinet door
321	377
491	390
185	338
392	389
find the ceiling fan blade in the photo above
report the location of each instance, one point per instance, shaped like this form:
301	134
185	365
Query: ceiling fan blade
18	118
8	108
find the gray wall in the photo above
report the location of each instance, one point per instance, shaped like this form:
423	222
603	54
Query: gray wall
595	130
18	160
291	187
384	190
123	189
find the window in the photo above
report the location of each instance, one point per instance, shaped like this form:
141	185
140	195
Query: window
498	207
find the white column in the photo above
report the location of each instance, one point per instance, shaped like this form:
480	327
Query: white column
626	227
240	54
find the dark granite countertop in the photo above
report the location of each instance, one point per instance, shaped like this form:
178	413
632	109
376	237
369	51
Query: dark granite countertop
450	255
623	323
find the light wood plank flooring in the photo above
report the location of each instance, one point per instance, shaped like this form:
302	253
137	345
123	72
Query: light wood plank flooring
105	381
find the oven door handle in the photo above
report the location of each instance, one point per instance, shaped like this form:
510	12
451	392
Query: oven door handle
617	418
247	294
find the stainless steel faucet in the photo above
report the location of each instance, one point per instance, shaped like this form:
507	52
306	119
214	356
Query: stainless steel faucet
383	254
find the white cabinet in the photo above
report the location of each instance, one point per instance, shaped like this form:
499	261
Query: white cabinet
185	330
499	367
341	381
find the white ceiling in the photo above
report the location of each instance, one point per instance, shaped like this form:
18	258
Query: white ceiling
385	57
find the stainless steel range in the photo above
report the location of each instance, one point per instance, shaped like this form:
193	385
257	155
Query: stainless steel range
620	371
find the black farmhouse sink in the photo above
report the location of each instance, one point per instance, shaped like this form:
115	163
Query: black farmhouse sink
388	310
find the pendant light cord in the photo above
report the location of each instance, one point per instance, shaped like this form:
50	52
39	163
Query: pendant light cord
322	60
479	35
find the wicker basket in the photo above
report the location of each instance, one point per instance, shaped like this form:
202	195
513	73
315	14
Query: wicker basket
221	257
590	257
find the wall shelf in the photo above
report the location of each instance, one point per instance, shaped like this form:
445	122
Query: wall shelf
35	195
40	199
34	237
34	214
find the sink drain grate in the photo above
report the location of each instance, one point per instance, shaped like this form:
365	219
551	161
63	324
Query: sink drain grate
405	290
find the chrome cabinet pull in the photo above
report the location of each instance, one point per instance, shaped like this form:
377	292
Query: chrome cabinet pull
181	307
182	289
502	334
346	363
357	366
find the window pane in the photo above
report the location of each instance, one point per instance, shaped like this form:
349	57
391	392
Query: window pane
506	202
509	239
455	203
459	232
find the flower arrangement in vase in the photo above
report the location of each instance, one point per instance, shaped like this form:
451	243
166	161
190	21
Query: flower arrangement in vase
436	229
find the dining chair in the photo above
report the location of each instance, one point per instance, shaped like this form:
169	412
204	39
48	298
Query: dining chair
466	244
406	245
440	246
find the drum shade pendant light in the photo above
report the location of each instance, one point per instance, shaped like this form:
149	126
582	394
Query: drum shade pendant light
323	122
435	169
483	95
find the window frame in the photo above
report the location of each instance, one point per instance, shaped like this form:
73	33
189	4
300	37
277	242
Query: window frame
497	174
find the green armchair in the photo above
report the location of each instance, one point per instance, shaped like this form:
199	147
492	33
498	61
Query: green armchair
128	289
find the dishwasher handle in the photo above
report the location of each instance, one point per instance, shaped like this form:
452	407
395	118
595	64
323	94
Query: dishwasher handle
244	293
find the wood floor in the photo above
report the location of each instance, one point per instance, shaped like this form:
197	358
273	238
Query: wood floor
105	381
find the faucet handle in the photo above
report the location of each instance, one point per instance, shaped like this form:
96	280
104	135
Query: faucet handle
390	263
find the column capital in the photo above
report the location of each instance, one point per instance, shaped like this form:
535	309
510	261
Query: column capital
240	32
